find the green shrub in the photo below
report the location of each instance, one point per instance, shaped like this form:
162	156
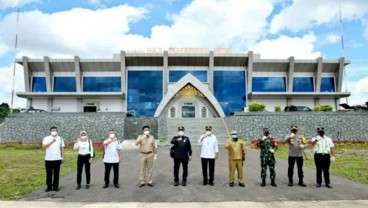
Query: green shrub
277	108
243	138
326	108
317	108
256	107
162	139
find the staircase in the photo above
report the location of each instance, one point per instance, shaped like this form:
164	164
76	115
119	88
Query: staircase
194	127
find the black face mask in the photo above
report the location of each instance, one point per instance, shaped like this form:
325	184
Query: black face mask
266	133
294	131
321	133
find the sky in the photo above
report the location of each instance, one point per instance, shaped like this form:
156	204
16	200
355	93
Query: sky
305	29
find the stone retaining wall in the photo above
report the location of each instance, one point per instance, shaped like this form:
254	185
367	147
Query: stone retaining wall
338	125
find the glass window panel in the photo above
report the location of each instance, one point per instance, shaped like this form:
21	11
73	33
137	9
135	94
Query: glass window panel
327	84
64	84
303	84
268	84
145	92
101	84
229	88
39	84
175	75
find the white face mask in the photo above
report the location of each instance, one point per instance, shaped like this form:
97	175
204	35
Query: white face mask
54	133
181	133
84	137
112	136
208	133
146	132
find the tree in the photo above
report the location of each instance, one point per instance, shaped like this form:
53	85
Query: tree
4	109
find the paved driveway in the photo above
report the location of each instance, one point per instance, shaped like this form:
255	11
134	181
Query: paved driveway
164	191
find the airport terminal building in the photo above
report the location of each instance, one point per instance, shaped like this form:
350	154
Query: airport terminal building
179	83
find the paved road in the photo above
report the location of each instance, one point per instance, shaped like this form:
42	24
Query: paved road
164	191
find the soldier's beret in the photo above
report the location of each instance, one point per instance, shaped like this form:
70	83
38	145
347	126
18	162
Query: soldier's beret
181	128
294	127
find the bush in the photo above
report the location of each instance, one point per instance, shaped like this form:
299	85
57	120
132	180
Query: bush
326	108
317	108
163	139
256	107
277	108
243	138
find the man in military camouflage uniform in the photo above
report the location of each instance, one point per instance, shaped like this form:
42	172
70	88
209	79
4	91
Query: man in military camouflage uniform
268	146
296	144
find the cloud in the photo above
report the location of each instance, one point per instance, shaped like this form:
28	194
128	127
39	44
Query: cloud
359	91
6	80
332	38
302	14
284	47
4	4
98	3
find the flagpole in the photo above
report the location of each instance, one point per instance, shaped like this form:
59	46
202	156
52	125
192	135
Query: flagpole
14	63
343	48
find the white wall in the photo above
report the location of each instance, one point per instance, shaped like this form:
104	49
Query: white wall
39	103
111	105
65	104
270	103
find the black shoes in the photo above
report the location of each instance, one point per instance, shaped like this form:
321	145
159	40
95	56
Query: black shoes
241	185
328	186
318	185
87	186
211	184
141	185
263	182
183	183
117	185
78	187
150	184
105	185
176	183
48	190
273	183
231	184
302	184
56	189
204	183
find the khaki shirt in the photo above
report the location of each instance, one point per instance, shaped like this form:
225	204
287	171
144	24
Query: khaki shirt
294	145
236	149
148	143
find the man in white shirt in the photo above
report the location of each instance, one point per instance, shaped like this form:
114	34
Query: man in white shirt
324	153
54	146
209	153
112	158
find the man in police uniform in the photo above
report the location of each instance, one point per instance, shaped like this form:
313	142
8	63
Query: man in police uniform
296	144
324	153
147	148
182	155
236	155
268	146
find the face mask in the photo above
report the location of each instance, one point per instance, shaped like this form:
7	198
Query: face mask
112	136
84	137
266	133
181	133
146	132
321	133
234	136
54	133
208	133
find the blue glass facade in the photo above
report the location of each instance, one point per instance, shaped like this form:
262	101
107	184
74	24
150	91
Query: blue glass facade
303	84
229	90
64	84
39	84
101	84
175	75
268	84
145	92
327	84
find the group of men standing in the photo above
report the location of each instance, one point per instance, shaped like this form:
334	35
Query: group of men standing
181	152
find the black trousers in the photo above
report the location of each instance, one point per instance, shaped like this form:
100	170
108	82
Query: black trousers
211	163
83	160
299	163
322	162
177	162
108	166
52	173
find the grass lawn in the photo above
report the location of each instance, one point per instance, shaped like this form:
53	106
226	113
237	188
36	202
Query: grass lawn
351	160
22	169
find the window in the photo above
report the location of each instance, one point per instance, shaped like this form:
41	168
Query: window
204	112
229	90
268	84
303	84
172	112
39	84
327	84
64	84
175	75
101	84
145	91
